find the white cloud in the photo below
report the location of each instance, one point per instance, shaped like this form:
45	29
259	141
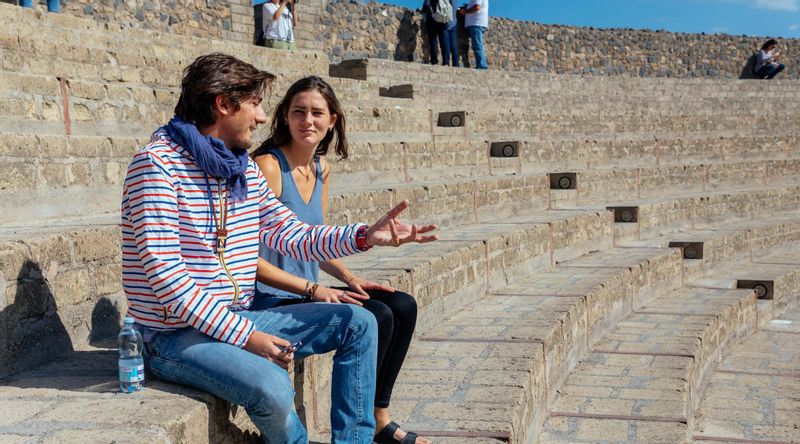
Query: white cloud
794	27
778	5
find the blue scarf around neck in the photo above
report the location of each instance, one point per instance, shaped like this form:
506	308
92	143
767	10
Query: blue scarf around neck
212	156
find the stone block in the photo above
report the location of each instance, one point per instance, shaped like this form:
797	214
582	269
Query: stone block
108	279
87	90
79	174
46	86
17	176
96	244
72	287
19	145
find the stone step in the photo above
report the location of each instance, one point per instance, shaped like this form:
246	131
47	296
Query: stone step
377	69
90	170
651	369
751	396
647	369
492	364
77	399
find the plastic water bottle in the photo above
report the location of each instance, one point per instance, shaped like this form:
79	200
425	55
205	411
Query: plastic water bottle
131	364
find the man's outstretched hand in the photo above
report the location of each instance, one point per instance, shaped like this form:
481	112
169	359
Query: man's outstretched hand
388	231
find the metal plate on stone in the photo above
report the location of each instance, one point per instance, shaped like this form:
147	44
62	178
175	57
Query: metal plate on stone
452	119
691	250
504	149
764	289
563	181
625	215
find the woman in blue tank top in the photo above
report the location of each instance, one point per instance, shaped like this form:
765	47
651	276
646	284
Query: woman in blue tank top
307	121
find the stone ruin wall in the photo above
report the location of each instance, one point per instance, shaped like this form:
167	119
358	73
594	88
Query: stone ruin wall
347	30
218	19
352	30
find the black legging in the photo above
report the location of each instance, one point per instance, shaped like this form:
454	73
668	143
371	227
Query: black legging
396	314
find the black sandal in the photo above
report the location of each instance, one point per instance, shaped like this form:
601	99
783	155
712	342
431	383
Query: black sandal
386	435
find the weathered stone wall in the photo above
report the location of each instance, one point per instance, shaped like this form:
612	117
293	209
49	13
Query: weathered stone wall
221	19
346	30
351	30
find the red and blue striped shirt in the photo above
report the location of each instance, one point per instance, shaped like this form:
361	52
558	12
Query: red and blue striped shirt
170	272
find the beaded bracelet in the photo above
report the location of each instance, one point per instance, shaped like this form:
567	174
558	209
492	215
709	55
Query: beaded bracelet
310	291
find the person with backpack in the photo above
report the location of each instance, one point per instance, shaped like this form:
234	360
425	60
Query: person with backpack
437	14
450	52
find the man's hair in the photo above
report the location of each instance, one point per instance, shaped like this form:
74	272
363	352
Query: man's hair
280	134
769	43
217	74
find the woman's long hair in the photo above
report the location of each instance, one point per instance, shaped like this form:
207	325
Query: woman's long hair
279	129
769	43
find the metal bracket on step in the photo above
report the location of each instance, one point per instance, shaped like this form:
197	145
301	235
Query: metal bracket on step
625	215
691	250
763	289
398	91
563	181
453	119
504	149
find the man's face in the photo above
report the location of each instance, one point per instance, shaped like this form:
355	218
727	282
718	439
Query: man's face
236	127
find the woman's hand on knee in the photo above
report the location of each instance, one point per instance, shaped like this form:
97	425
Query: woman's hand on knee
334	296
361	285
269	347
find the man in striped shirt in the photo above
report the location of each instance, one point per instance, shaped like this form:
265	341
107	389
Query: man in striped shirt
194	210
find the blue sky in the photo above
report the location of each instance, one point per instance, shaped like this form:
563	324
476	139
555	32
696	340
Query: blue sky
751	17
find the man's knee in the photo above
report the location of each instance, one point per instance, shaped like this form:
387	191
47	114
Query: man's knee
363	321
273	397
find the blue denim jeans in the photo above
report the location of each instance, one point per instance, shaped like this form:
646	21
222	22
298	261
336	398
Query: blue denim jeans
52	5
192	358
450	53
769	71
476	35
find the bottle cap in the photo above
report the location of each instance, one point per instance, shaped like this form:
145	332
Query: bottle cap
129	320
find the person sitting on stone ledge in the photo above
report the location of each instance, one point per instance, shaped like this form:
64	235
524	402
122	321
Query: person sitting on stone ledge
767	66
52	5
306	124
279	21
194	210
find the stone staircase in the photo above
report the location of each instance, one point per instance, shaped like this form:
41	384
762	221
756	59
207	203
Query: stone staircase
591	312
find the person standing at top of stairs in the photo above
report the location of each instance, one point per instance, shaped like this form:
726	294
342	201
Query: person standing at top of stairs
476	22
450	54
279	21
435	31
194	210
52	5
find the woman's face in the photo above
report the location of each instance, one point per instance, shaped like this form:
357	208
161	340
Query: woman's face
309	118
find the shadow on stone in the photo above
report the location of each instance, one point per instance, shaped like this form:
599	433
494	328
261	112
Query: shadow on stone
405	50
105	324
32	331
749	68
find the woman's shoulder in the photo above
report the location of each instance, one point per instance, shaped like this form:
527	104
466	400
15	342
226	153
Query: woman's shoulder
268	162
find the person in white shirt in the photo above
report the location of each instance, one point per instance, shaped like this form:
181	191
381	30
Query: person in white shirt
476	22
280	18
767	66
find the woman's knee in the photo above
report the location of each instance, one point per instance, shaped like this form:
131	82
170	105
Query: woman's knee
361	320
404	307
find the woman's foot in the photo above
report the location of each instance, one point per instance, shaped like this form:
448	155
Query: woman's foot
386	428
